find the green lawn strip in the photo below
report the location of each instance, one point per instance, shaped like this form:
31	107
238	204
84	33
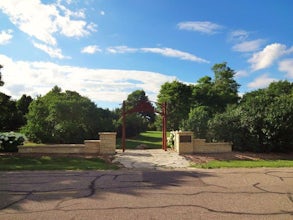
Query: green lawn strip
245	164
14	163
153	140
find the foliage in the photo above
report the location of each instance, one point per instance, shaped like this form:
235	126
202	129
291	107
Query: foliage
136	122
217	93
197	121
1	82
177	95
171	139
10	163
65	117
209	98
263	121
10	141
11	118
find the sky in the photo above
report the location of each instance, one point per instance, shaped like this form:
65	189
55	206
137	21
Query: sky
106	49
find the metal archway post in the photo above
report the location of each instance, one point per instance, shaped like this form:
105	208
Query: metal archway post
164	127
123	126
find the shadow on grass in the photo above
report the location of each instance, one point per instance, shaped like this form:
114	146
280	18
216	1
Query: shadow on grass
151	139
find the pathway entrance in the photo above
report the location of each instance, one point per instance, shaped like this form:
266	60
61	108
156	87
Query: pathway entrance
150	159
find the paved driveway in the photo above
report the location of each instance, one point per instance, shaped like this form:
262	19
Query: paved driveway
147	194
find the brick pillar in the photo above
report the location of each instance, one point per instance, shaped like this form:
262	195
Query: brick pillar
184	142
107	142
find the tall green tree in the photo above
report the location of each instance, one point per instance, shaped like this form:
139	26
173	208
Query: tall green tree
65	117
178	97
136	122
10	118
263	121
219	92
225	85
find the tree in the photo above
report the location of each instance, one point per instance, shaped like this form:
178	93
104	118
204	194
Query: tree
1	82
263	121
197	121
216	93
225	86
138	121
65	117
10	117
23	103
178	97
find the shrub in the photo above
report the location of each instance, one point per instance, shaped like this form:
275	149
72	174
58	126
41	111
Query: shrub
10	141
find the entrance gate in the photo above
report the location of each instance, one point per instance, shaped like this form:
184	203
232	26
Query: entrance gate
146	106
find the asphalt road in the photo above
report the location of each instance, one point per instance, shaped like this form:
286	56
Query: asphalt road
148	194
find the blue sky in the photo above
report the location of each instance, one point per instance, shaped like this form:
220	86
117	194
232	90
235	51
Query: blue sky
105	49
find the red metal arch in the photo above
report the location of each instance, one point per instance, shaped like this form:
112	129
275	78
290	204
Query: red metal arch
146	106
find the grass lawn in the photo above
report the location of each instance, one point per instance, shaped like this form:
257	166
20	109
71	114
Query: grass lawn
14	163
245	164
153	140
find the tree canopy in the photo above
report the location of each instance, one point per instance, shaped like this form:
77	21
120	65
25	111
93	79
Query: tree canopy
65	117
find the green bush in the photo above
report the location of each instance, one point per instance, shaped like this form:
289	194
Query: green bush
10	141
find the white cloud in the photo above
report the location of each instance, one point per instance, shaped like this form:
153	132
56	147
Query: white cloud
248	46
261	82
52	52
37	78
239	35
287	66
91	49
121	49
200	26
102	13
268	55
241	73
5	36
169	52
42	21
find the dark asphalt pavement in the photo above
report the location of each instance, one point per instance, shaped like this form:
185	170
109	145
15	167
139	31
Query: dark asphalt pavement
147	194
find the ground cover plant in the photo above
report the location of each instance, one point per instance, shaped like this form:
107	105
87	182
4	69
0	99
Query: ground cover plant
245	164
10	140
14	163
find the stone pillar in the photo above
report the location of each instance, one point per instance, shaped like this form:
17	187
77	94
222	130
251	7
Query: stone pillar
107	142
184	142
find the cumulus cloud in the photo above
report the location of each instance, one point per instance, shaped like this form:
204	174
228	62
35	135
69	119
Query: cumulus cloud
91	49
268	55
51	51
261	82
169	52
5	36
287	66
248	46
205	27
42	21
37	78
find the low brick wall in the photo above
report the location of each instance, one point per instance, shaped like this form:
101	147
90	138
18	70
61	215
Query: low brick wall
54	148
106	145
200	146
184	143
